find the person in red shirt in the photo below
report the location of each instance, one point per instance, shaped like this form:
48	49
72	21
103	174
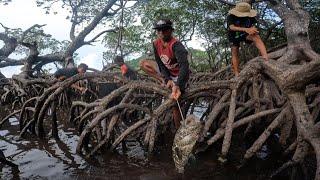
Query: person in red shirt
126	71
171	67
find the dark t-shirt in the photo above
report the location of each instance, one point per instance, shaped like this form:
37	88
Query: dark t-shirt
66	72
245	22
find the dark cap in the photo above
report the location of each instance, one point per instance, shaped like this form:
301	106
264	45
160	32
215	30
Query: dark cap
118	60
162	24
83	66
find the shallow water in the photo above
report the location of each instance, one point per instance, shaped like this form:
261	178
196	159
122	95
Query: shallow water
57	159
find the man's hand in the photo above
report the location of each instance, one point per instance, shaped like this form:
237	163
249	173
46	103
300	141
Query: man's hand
252	30
162	82
170	84
61	78
176	93
82	90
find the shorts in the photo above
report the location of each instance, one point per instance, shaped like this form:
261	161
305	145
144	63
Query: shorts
156	67
237	38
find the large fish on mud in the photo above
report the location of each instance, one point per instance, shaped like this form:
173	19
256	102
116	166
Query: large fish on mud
185	140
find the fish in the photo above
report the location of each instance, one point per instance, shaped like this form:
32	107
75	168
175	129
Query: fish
184	141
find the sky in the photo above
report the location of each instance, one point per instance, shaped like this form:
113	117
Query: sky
24	13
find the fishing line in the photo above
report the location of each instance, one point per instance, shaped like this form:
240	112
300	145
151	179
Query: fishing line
180	110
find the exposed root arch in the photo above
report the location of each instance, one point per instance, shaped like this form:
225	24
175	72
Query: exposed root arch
277	97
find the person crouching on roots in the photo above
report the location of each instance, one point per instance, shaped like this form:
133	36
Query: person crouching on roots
171	67
241	20
125	69
64	73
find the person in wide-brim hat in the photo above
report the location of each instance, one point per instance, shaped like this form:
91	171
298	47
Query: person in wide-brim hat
241	28
243	9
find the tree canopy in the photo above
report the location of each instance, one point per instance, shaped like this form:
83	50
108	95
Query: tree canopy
202	20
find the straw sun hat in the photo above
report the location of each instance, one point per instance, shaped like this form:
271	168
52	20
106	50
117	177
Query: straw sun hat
243	9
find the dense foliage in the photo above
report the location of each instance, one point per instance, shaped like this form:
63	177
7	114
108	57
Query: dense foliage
132	34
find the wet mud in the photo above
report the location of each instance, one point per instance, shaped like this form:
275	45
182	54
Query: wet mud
57	159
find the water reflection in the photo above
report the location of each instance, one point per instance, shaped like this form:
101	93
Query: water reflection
56	159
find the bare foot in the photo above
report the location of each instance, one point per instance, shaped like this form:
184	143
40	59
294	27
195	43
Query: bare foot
265	58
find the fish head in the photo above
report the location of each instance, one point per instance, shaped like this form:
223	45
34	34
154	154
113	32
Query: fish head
192	121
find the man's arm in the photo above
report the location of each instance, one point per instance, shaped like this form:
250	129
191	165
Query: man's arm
232	27
182	57
61	78
81	89
251	30
164	71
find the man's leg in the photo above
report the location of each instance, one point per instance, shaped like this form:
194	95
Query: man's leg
151	68
235	59
259	44
176	117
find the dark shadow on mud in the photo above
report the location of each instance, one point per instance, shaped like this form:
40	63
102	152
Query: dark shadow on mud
57	159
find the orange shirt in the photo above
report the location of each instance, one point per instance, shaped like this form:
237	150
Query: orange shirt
124	69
